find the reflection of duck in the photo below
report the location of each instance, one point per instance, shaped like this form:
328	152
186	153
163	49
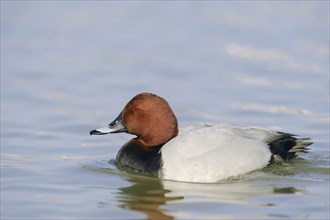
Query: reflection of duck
236	192
150	197
199	153
146	195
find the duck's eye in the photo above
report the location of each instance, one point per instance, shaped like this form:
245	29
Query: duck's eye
137	109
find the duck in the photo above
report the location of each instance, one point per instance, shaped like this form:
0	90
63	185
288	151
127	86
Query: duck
202	152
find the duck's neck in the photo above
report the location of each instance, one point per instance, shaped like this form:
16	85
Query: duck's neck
158	136
135	155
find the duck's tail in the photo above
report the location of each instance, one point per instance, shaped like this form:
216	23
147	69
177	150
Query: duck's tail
301	145
285	146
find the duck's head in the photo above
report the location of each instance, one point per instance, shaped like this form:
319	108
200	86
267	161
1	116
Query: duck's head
147	116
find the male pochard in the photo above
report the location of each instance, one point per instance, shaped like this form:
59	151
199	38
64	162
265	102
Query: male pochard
198	153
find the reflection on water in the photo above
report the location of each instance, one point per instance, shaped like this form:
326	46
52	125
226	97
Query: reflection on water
151	196
154	197
286	190
146	195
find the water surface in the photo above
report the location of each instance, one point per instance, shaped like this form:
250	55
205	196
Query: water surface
70	67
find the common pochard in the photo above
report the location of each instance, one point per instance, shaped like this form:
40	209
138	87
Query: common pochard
198	153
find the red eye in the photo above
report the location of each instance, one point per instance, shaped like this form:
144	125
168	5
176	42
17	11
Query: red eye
137	109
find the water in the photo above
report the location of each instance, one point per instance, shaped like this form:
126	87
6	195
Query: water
70	67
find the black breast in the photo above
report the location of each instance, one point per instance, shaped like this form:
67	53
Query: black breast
134	155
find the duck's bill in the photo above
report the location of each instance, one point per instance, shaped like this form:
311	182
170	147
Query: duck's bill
114	127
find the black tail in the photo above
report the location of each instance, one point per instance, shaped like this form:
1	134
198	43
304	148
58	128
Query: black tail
285	146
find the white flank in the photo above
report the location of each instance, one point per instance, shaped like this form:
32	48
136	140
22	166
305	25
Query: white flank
212	152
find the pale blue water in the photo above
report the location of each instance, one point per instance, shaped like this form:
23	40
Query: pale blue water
70	67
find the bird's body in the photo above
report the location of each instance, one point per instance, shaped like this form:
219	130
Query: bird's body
198	153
